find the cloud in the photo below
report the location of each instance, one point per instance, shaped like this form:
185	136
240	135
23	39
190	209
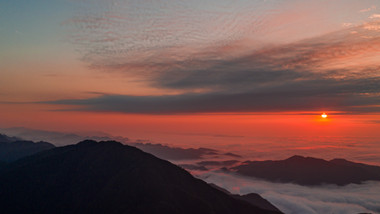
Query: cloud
193	167
162	151
347	24
337	71
60	138
375	16
117	34
371	26
232	155
225	58
349	96
291	198
335	55
211	135
175	153
218	163
373	7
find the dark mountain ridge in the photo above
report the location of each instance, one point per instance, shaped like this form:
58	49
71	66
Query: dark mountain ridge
6	139
108	177
252	198
12	148
310	171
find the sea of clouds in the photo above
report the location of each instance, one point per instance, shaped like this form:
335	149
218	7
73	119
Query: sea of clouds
295	199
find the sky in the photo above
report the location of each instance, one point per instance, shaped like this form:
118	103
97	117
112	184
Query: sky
247	77
241	74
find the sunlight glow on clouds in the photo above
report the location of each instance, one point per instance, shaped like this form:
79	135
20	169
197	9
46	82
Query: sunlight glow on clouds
225	52
288	55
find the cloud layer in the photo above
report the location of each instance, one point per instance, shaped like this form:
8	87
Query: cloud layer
337	71
292	199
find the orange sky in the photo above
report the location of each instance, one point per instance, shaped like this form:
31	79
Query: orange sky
186	74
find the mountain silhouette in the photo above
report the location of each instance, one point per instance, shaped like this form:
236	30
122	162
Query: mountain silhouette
252	198
12	148
310	171
6	139
108	177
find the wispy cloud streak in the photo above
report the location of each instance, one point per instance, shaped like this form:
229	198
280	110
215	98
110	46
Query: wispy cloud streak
226	63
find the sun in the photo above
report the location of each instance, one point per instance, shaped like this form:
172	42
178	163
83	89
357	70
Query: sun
324	115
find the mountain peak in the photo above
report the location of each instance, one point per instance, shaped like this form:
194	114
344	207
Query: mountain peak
339	160
296	157
93	143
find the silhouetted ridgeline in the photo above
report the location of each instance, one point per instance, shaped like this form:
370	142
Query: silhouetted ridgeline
108	177
12	148
310	171
253	198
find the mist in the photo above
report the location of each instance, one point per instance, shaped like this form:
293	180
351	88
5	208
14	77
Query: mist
293	199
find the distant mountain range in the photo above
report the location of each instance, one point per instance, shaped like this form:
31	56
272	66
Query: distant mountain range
159	150
13	148
310	171
108	177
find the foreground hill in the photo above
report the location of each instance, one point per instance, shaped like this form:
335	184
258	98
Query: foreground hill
12	148
108	177
310	171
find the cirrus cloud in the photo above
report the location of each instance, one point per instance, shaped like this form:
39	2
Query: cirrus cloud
337	71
